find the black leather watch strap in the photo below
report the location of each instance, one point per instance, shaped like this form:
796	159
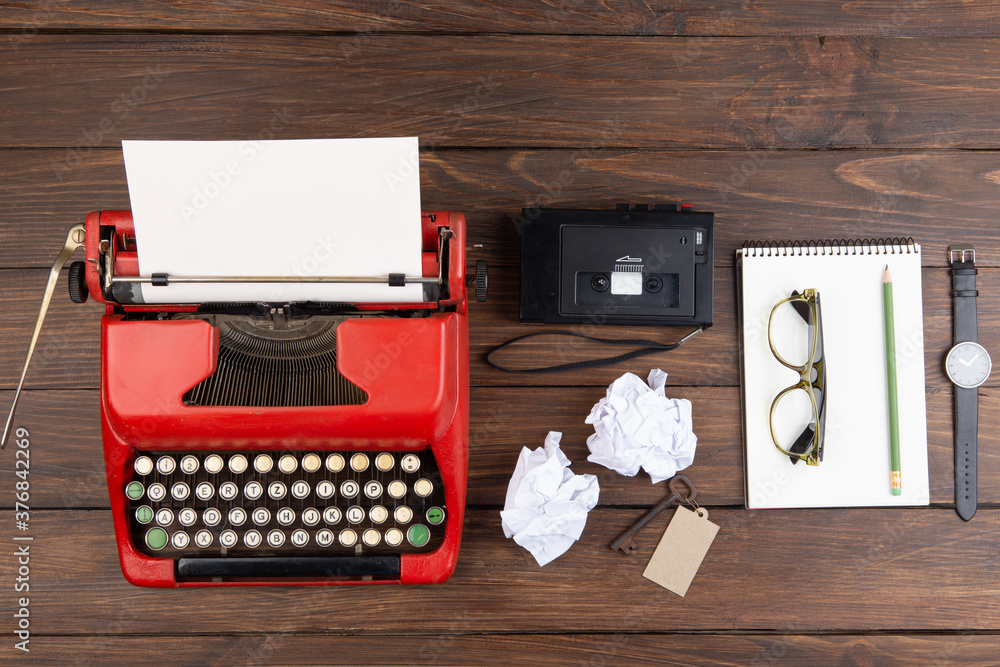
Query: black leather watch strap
964	293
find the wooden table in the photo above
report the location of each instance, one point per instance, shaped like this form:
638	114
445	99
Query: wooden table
788	120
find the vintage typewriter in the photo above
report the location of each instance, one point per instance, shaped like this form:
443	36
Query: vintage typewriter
292	443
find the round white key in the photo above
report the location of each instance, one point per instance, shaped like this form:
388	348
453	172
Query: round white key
355	514
203	538
335	463
237	516
396	489
204	490
263	463
144	465
373	489
324	537
228	490
276	490
228	538
325	489
238	464
300	538
403	514
156	492
285	516
189	464
300	489
164	516
331	515
311	463
187	516
310	516
252	539
275	538
261	516
384	462
287	464
359	462
349	489
394	537
253	490
348	538
378	514
211	516
180	540
371	537
423	487
180	491
214	463
166	465
410	463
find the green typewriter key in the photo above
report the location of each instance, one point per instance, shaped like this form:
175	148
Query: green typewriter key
144	514
435	516
156	538
418	535
134	490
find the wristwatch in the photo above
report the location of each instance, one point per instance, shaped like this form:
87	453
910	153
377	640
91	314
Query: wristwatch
967	365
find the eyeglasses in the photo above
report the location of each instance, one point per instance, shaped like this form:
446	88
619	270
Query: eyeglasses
801	407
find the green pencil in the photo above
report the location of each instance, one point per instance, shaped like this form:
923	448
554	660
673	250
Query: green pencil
890	373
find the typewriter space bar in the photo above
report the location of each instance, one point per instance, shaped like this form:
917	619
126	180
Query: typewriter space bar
381	567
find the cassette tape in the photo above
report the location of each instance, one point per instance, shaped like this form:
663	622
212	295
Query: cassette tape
634	265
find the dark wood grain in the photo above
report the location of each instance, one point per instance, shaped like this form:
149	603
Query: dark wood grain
618	17
674	649
80	91
867	558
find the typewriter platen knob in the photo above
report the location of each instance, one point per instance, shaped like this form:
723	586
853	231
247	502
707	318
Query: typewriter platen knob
482	280
78	291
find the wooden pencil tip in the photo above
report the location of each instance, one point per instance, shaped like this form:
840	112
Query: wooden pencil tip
887	277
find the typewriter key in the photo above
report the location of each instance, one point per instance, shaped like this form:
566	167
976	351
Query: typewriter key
228	538
403	514
156	492
143	465
253	490
144	514
335	463
237	516
410	463
300	489
164	516
287	464
325	489
187	516
285	516
263	463
348	537
310	516
276	538
384	462
435	516
180	540
261	516
371	537
396	489
252	539
211	516
228	491
134	490
311	463
156	538
359	462
355	514
203	538
394	537
349	489
189	464
378	514
300	538
418	535
180	491
213	463
166	465
204	491
238	464
423	487
331	515
324	537
373	489
276	490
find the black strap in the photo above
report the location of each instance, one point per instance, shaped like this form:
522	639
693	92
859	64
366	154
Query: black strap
651	347
966	420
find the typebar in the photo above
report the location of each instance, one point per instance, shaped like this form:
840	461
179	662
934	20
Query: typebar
378	567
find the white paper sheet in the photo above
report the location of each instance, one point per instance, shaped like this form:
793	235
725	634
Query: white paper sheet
324	207
637	426
547	505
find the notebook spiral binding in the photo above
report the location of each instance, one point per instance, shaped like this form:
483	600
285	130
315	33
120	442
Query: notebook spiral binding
882	246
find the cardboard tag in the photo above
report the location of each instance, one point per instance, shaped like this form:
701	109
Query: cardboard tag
681	550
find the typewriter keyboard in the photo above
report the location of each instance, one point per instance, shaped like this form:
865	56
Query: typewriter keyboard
190	505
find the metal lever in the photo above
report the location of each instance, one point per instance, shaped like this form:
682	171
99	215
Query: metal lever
73	241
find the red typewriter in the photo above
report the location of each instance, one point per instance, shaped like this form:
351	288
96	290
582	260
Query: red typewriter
277	444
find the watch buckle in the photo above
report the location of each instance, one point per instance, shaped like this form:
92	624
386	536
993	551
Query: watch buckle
961	251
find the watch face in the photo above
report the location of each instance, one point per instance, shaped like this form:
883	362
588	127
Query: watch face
968	364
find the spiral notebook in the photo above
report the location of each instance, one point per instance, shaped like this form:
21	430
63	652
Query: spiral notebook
855	471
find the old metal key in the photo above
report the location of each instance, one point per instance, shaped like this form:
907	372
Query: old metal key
625	543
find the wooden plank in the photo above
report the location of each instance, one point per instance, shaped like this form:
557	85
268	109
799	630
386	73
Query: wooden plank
861	571
755	195
460	650
67	461
81	91
618	17
68	351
